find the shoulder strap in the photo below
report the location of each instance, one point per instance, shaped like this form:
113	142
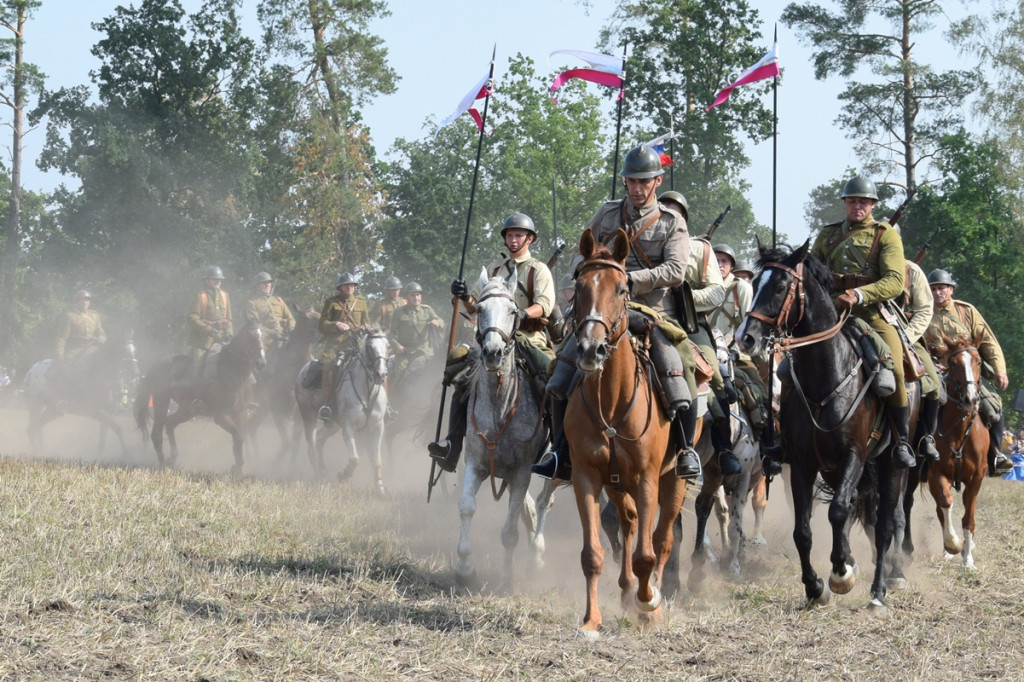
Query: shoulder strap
879	229
707	257
204	301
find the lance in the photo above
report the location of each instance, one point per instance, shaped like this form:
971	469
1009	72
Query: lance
618	124
769	431
435	475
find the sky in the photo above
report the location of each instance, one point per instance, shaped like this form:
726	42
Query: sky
441	48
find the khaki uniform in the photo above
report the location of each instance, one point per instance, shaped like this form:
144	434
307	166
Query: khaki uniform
705	278
77	332
917	307
868	258
956	319
353	312
535	286
208	308
383	312
272	313
729	316
410	330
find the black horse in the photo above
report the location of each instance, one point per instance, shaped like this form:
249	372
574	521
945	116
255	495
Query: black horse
224	393
832	422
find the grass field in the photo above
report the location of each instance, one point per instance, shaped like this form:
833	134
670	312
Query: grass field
114	569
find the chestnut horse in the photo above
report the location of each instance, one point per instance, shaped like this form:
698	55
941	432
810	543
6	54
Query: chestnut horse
962	442
618	436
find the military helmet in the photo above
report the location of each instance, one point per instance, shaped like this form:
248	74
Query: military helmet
346	278
860	187
520	220
642	162
567	282
727	250
742	266
412	288
213	272
82	293
940	276
678	198
392	282
262	277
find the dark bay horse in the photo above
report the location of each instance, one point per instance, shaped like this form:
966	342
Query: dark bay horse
618	436
91	387
962	442
832	421
224	393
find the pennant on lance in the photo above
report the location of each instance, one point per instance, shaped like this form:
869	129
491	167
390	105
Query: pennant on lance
479	91
658	145
604	70
767	67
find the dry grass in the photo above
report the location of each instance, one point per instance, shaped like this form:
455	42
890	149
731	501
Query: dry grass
128	572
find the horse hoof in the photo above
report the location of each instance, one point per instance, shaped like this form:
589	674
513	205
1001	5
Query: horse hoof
842	583
466	579
823	598
896	583
758	540
878	608
347	472
649	606
952	548
589	635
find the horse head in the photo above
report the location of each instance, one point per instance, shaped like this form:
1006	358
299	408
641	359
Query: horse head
249	346
600	302
373	353
963	370
496	320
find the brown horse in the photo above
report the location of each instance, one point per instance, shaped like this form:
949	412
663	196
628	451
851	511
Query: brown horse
618	437
224	394
962	441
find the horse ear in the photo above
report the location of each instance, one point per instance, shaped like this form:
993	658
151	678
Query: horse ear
481	280
587	244
761	248
801	253
621	246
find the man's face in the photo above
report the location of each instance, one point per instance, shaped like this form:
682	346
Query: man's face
641	191
347	290
517	240
724	264
265	287
858	209
213	283
82	304
414	298
942	293
745	276
390	294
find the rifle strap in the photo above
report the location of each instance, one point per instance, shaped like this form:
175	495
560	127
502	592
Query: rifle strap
637	251
204	302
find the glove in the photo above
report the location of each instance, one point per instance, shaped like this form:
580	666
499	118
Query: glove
847	300
459	289
522	315
629	283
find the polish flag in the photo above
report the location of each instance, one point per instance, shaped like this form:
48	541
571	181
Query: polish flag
479	91
767	67
604	70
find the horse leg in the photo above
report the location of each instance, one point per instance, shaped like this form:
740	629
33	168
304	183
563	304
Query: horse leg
648	596
545	502
702	510
942	492
843	575
587	487
610	525
465	572
970	500
738	488
913	482
375	443
670	574
349	436
758	502
802	483
889	481
721	508
671	493
161	403
626	512
226	423
895	578
518	487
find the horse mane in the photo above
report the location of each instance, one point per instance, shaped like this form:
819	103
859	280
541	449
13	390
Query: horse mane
813	267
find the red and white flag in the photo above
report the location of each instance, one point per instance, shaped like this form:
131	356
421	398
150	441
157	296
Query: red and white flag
479	91
658	145
604	70
767	67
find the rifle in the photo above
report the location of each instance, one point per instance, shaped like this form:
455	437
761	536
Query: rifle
927	245
554	256
902	207
718	221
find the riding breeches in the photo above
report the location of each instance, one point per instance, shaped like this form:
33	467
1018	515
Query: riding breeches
892	339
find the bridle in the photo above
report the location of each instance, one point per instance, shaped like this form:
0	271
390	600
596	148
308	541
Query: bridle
616	329
507	338
795	302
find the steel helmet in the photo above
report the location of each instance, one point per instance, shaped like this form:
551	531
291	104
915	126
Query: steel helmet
727	250
741	266
82	293
940	276
520	220
860	187
346	278
412	288
262	277
677	198
642	162
392	282
567	282
213	272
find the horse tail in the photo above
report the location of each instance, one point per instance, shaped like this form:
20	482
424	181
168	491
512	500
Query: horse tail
142	400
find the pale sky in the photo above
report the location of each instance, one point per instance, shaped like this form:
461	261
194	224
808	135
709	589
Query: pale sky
442	47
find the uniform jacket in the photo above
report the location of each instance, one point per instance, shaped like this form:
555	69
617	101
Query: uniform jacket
336	309
705	277
409	325
383	312
728	317
271	312
543	289
871	249
78	330
958	318
208	307
918	301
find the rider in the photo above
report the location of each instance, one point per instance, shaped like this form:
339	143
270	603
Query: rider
656	264
535	297
743	271
410	332
917	308
79	330
954	319
343	315
708	288
382	312
866	258
269	311
209	320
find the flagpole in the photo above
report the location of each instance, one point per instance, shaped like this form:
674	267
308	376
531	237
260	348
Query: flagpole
554	215
618	123
770	426
434	474
672	151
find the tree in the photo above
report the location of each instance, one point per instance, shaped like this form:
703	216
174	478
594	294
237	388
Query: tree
898	116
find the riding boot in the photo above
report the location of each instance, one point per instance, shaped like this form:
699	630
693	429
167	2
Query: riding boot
927	423
721	441
554	462
326	413
902	458
684	425
448	451
998	463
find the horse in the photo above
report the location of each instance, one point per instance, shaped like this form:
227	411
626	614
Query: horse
508	431
832	422
361	403
223	393
275	388
92	387
962	441
618	435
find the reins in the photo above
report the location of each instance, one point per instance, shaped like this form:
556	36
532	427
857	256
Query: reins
795	294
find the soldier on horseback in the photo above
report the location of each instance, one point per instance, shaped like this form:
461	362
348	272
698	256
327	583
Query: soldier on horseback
269	311
343	315
79	333
209	320
411	328
384	310
535	297
917	308
953	319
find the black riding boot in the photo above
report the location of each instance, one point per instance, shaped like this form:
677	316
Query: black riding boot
902	458
554	462
447	452
927	423
998	463
721	441
684	425
326	412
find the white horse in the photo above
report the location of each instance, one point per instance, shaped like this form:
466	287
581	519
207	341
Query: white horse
361	403
506	429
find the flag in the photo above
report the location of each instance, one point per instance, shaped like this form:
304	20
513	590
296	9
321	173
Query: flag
604	70
479	91
658	145
767	67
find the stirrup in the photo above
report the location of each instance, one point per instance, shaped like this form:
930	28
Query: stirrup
902	457
688	464
1003	464
926	448
441	453
325	414
550	466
